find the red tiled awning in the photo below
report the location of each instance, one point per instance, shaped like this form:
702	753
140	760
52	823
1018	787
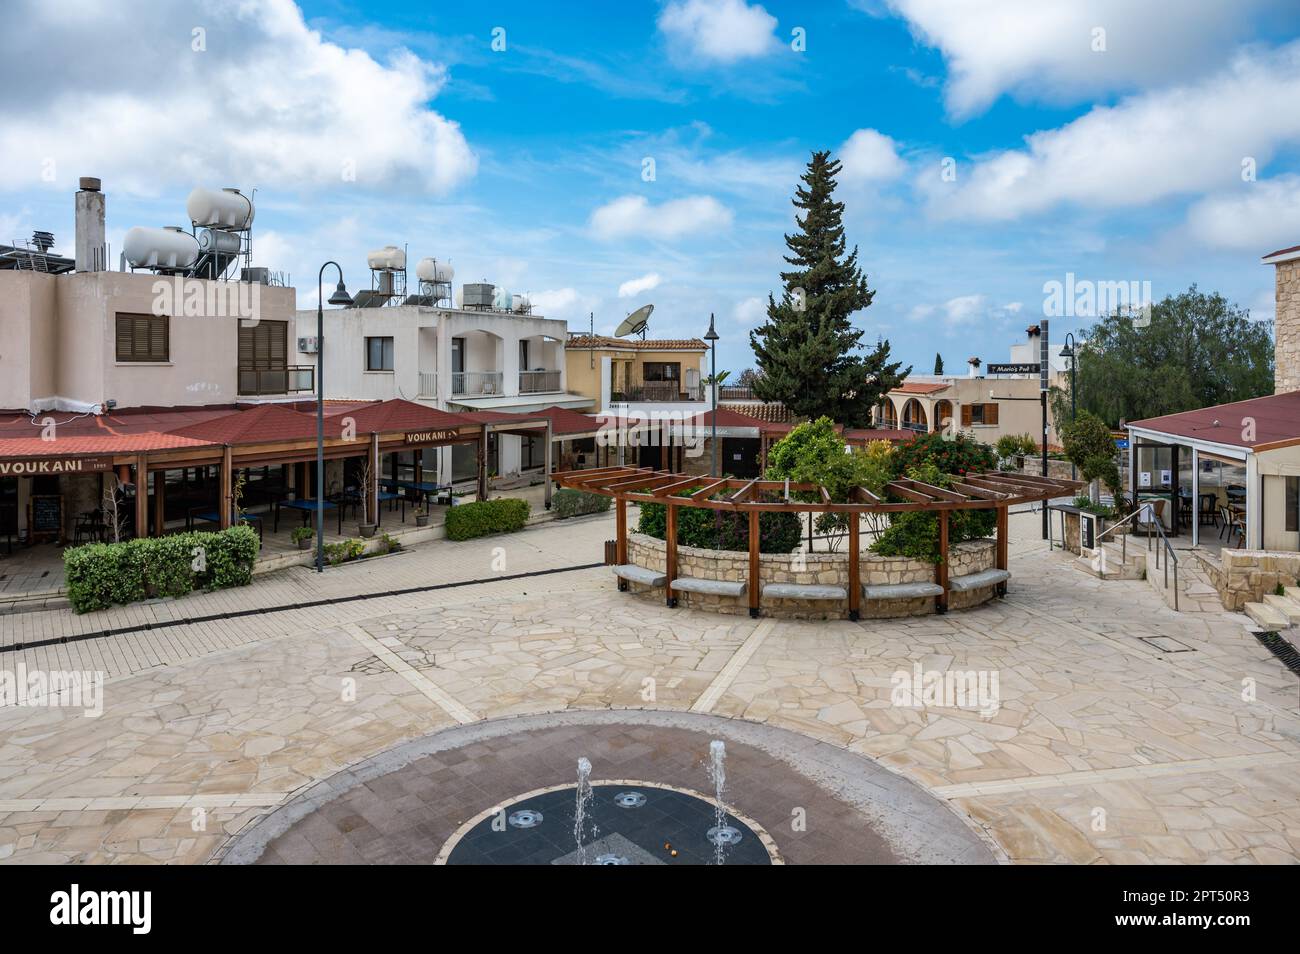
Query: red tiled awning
1267	421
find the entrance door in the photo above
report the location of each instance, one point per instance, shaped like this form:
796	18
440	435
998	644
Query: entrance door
739	456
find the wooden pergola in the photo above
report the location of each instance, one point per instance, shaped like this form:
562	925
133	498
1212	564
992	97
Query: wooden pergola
987	491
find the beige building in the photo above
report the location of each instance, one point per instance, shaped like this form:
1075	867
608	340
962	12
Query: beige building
636	375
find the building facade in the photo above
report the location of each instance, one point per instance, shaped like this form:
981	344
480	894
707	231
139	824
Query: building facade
628	375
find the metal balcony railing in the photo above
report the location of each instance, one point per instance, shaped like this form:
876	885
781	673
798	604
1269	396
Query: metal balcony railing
736	393
476	382
292	379
428	384
534	382
657	391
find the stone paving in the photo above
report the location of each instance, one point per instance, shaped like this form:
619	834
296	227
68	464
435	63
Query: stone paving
1122	731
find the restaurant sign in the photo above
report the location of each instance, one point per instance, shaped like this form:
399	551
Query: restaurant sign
431	437
1012	369
41	466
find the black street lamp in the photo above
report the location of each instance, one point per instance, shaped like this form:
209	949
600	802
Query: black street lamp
340	297
711	336
1071	351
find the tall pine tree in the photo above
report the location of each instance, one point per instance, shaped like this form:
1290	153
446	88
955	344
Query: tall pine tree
805	350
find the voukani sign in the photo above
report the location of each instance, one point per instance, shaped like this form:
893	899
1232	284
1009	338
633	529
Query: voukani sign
38	466
430	437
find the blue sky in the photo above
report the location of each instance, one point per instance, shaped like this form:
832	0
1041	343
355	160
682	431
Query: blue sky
1103	138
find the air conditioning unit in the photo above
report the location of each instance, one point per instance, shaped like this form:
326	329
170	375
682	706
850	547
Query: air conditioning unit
308	345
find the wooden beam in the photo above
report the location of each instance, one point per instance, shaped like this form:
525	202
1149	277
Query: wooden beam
620	537
941	571
482	463
670	548
141	496
159	504
934	491
902	490
708	489
982	492
372	482
865	495
226	501
754	585
855	568
667	489
743	492
1002	546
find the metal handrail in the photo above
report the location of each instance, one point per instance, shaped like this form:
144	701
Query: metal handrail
1170	553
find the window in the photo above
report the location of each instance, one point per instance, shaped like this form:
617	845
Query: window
142	338
457	355
264	358
379	354
523	356
661	371
976	414
1292	504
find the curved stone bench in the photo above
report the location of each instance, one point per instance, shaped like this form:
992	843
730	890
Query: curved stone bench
804	591
977	581
639	574
690	584
901	591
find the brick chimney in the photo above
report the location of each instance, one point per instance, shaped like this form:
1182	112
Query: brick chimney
1286	325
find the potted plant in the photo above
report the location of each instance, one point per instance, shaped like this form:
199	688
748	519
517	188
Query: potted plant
421	516
302	536
369	521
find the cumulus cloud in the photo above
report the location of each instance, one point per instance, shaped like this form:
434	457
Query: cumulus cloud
636	286
1048	50
1174	141
963	311
751	312
227	93
869	156
718	31
567	303
633	215
1257	217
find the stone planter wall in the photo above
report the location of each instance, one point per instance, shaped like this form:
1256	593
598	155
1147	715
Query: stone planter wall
1247	576
830	569
1056	469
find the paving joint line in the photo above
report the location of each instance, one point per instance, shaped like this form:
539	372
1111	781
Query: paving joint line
727	675
430	690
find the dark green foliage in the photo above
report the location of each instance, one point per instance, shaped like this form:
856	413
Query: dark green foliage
99	575
805	349
1198	351
954	454
574	503
722	529
1091	448
938	363
915	533
344	551
483	517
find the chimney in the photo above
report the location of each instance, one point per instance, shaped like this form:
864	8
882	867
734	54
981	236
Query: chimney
973	367
1286	320
92	253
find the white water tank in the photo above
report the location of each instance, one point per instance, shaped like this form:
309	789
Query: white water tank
432	270
520	304
160	248
216	240
389	258
220	208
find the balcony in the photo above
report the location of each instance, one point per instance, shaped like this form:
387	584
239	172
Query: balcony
536	382
292	379
736	393
466	383
428	384
656	391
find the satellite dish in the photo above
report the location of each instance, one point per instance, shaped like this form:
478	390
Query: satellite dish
635	323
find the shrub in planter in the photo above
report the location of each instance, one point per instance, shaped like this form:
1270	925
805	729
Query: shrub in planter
343	551
778	532
575	503
302	536
100	575
483	517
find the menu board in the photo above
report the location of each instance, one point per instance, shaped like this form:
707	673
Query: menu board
45	517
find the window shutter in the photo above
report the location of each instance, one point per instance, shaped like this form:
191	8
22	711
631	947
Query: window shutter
965	415
157	331
141	337
125	337
990	414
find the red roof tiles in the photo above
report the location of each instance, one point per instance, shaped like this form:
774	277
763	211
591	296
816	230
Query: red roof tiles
1274	419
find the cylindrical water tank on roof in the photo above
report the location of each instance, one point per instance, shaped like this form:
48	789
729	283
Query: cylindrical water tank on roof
432	270
215	240
160	248
520	304
390	258
220	208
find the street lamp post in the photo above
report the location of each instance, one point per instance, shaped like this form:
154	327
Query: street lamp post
1071	351
712	338
340	297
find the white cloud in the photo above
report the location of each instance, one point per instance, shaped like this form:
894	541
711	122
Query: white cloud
267	102
567	303
719	31
636	286
751	312
869	156
1257	217
633	215
1045	50
964	311
1148	147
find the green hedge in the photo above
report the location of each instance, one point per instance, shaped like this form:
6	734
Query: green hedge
575	503
778	532
482	517
99	575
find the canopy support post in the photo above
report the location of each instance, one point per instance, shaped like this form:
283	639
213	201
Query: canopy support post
855	568
670	548
941	571
754	587
1002	547
227	502
141	496
620	534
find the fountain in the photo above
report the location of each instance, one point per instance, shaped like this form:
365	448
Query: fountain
721	834
580	809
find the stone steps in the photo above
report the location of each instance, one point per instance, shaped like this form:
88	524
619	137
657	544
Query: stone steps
1285	605
1266	616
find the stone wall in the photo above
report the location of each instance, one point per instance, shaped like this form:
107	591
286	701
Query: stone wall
1247	576
1056	469
831	569
1286	352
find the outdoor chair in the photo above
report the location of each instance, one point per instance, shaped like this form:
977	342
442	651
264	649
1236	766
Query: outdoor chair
1150	514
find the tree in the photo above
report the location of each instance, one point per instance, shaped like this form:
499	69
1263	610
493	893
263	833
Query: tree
1091	448
1197	351
938	364
804	350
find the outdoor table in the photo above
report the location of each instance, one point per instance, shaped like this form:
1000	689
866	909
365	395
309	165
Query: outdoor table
385	495
212	515
426	488
307	507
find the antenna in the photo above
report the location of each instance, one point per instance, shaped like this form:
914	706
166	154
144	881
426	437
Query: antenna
635	323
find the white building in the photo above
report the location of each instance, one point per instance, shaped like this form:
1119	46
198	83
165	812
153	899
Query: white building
422	348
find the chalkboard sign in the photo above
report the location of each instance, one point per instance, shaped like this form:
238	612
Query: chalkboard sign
45	517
